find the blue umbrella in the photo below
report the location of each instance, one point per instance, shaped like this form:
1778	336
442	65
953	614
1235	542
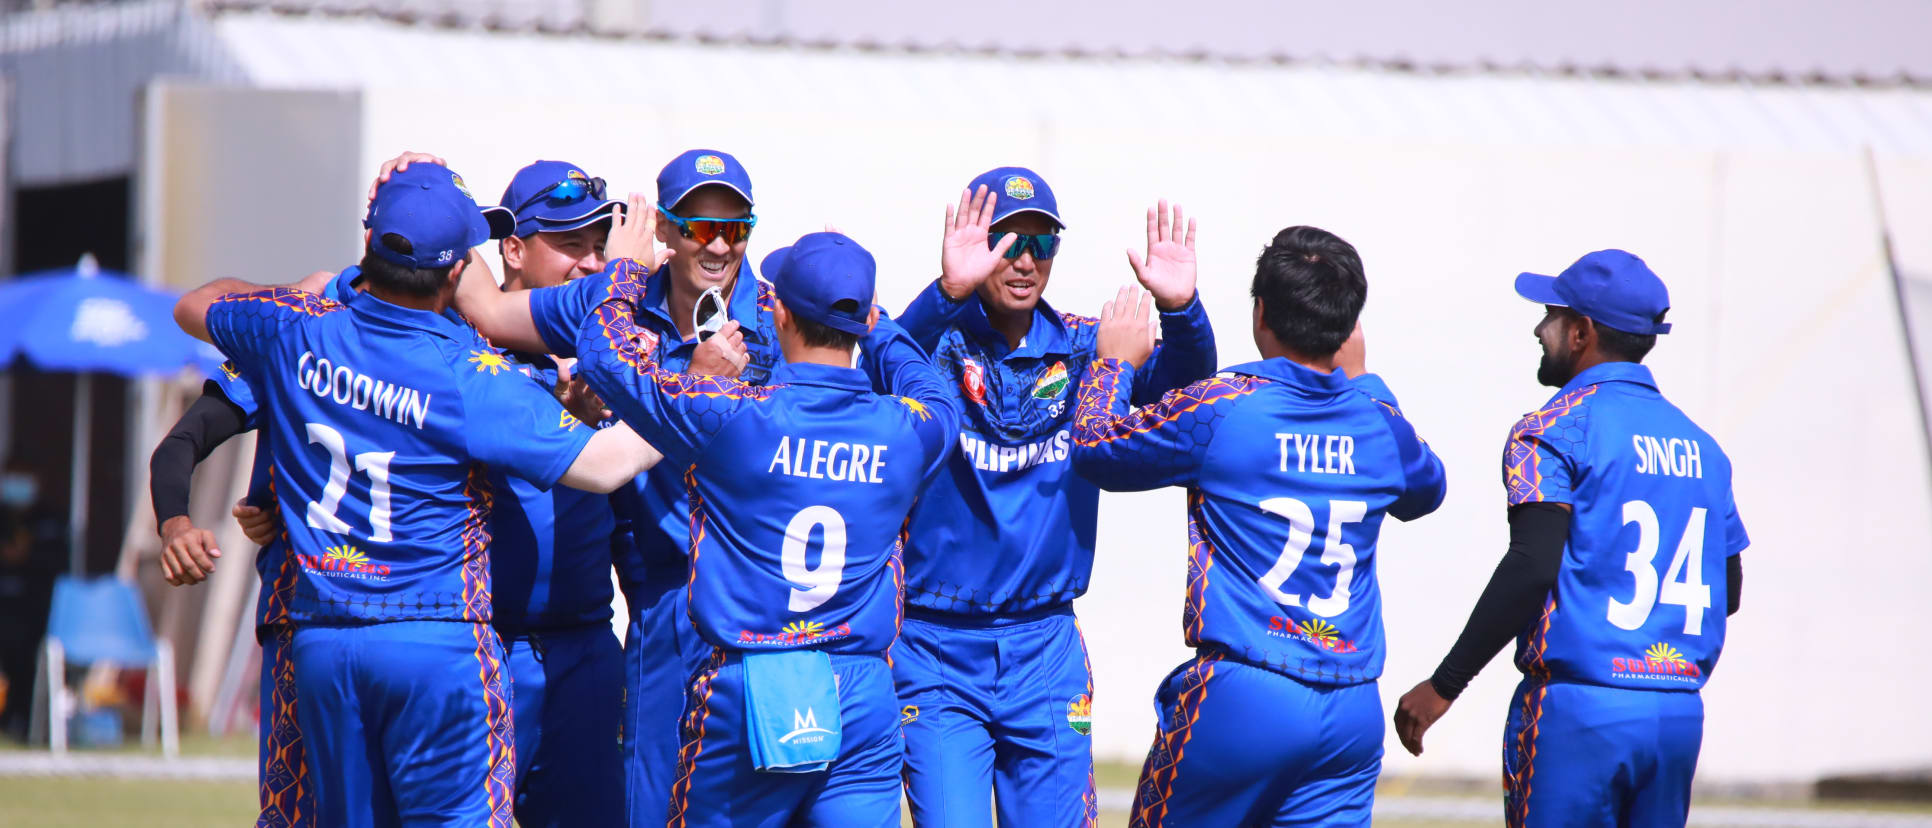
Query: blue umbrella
85	321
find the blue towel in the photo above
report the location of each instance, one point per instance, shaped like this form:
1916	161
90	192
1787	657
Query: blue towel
791	711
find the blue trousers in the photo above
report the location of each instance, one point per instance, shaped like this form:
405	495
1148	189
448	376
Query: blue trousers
1582	755
1241	745
407	724
567	694
1000	709
717	785
661	650
287	793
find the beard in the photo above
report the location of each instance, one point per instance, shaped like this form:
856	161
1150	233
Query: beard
1555	370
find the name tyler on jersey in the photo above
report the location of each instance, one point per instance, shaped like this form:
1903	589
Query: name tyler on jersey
346	386
992	458
1318	453
822	460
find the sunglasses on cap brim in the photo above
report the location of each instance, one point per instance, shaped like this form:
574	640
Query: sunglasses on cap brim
1043	245
703	230
568	191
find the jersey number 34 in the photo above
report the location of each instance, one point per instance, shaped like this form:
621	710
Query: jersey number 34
1683	583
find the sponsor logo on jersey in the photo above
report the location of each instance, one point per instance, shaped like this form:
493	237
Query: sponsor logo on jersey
344	561
486	361
711	165
1661	662
1019	187
460	186
1080	714
908	714
1313	631
1052	384
805	729
796	633
972	380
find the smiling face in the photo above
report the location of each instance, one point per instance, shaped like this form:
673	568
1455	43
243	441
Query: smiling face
1016	284
695	266
550	259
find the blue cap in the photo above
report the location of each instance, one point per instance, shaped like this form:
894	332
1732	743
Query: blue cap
1018	190
429	206
542	206
697	168
1611	287
827	278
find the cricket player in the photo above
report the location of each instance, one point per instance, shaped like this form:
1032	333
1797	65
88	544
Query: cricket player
384	417
993	670
798	496
1623	538
1290	465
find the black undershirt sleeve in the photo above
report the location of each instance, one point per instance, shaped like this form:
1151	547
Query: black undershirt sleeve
1514	597
1733	583
207	424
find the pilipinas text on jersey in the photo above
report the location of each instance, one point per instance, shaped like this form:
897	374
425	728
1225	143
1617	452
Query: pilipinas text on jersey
381	420
1289	474
797	491
1639	601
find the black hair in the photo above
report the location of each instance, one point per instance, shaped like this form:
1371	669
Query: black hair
1311	289
408	281
1623	345
820	335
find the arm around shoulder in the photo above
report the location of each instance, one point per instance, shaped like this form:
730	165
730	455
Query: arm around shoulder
612	458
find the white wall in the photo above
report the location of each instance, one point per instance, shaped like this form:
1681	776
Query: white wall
1786	345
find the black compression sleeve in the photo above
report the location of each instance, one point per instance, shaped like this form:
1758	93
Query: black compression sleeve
210	421
1733	582
1515	595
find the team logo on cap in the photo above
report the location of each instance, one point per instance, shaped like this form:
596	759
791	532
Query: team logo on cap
1020	187
460	186
711	165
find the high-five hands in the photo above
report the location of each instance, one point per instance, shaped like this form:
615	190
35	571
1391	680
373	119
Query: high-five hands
1126	327
1169	270
633	233
964	260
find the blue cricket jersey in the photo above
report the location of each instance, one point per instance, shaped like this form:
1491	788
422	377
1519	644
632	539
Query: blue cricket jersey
1289	473
1640	599
550	554
658	528
380	421
797	491
1008	527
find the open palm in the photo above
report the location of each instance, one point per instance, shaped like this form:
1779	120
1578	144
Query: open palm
1168	271
964	260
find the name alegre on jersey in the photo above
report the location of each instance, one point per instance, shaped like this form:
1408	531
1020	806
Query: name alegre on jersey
825	460
1672	456
346	386
989	457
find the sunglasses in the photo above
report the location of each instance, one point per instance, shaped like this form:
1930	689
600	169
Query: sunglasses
703	230
568	191
708	316
1043	245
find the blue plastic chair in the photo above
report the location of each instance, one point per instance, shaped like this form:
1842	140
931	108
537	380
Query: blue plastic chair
102	621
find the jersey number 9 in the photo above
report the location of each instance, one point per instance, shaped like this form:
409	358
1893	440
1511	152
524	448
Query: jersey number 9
812	587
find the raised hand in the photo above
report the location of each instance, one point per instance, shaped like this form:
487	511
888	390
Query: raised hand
1126	328
964	260
187	554
400	163
723	354
1169	270
633	234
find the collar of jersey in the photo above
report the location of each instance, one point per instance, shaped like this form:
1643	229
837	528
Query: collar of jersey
1047	337
829	376
1609	372
442	325
1283	369
743	302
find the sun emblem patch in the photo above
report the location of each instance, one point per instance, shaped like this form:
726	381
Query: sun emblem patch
1080	714
1052	384
711	165
460	187
918	408
486	361
1019	187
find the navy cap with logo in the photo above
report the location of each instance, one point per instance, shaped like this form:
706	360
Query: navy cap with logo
1018	190
700	168
827	278
429	207
554	196
1611	287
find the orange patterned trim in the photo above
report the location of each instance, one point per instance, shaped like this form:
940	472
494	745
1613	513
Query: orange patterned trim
1170	745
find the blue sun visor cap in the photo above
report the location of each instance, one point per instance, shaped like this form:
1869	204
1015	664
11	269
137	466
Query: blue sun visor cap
430	208
827	278
697	168
554	196
1018	190
1611	287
